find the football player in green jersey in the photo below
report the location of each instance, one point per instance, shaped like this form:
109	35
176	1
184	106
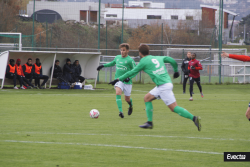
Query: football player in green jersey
124	63
155	67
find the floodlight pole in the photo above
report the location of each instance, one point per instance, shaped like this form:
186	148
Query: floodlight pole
99	20
33	24
122	20
220	36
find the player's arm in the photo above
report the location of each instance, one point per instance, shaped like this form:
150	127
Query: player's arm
172	62
199	66
133	66
131	73
237	57
183	66
110	64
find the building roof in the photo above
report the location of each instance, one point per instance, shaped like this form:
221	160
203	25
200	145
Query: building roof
217	8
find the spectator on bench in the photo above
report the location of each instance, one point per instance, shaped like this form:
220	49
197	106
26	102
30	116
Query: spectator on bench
27	70
58	73
11	73
38	74
19	71
68	71
78	71
57	70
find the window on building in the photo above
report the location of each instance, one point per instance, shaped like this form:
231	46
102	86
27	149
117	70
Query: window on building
174	17
189	18
111	15
153	17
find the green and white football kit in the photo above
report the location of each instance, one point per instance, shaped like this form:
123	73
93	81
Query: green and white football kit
123	65
155	67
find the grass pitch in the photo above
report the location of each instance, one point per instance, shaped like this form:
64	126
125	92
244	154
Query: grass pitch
53	128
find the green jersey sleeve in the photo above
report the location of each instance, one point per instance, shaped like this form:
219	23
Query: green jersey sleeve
172	62
133	72
110	64
133	65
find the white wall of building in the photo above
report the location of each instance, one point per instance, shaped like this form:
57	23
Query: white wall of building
137	13
146	4
68	10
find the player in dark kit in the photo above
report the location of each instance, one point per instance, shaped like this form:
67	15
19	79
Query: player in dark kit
185	70
194	75
241	58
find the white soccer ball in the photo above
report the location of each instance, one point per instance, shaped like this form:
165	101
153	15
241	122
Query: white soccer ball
94	113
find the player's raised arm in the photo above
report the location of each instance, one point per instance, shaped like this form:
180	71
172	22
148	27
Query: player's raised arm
173	64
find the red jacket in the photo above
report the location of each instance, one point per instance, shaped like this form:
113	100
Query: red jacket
239	57
194	73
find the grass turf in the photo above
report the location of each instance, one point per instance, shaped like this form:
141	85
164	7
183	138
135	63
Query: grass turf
53	128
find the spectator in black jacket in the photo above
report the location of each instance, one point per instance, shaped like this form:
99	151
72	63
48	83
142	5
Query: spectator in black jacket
27	70
78	71
38	74
185	70
68	71
57	70
11	72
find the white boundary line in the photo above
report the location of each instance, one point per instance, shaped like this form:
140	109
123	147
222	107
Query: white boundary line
117	146
159	136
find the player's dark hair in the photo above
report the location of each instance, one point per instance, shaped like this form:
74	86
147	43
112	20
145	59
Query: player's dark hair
194	54
144	49
76	60
126	45
29	59
56	61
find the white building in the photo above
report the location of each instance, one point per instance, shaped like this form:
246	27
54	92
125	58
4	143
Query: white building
145	13
145	4
87	11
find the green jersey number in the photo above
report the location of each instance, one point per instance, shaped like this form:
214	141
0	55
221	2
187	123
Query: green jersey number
155	61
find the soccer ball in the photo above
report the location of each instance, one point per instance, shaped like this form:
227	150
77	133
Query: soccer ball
94	113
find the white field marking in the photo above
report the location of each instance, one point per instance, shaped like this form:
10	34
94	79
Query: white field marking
117	146
159	136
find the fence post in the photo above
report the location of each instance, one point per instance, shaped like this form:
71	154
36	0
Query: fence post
210	70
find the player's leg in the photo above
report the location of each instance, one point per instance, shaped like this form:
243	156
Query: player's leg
45	79
248	112
184	83
168	97
28	82
198	81
191	81
148	98
127	92
118	91
20	81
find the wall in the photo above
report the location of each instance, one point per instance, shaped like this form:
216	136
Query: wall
138	13
68	10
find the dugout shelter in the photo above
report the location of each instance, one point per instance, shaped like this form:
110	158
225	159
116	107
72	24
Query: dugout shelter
89	61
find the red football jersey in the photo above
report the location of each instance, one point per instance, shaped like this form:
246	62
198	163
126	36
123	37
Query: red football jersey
194	73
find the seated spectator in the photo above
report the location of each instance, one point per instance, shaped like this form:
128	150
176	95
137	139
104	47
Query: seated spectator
68	71
11	73
57	70
27	70
78	71
21	76
38	74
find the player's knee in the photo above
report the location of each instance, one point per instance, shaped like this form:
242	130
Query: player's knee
248	113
